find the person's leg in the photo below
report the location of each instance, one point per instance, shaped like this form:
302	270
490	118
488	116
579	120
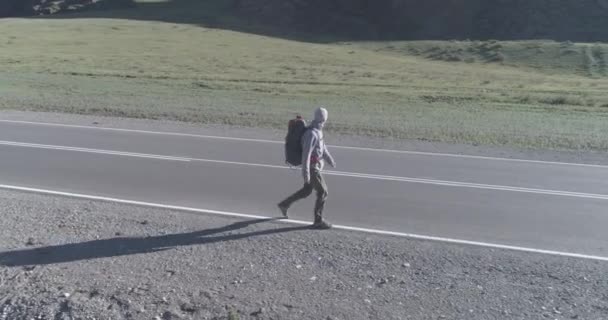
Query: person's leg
318	183
299	195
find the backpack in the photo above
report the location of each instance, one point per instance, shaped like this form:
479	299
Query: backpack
293	141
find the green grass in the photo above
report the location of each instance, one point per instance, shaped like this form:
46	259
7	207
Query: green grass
548	57
530	93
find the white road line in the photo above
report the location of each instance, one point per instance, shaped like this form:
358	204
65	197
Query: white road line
87	150
427	181
340	227
165	133
473	185
444	183
419	153
464	156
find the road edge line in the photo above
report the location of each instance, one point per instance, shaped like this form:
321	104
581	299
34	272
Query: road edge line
299	222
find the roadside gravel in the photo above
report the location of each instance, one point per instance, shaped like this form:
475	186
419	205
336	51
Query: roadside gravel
64	258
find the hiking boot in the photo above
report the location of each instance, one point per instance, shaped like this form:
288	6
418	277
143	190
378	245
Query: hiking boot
283	209
322	225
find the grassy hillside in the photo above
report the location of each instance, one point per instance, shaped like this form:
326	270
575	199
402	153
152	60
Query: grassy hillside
548	57
532	93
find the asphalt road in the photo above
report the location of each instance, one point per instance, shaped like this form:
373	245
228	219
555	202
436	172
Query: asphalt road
541	205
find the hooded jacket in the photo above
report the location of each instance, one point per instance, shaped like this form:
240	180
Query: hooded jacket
314	150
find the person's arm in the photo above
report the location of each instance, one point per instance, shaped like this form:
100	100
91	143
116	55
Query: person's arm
327	156
308	143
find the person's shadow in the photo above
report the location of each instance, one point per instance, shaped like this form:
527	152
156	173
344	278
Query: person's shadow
132	245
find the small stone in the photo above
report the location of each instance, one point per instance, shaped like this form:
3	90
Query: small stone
188	307
406	265
367	301
66	295
299	266
94	293
168	315
258	312
313	278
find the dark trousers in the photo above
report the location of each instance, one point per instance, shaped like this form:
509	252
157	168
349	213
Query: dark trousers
317	183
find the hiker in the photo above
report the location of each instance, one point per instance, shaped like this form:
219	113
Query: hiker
314	155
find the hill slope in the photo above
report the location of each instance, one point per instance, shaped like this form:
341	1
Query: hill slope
134	68
178	60
561	20
581	20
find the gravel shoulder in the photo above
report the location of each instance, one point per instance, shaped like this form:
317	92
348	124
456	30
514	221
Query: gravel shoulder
64	258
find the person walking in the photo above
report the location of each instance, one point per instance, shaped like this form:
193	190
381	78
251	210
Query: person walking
314	156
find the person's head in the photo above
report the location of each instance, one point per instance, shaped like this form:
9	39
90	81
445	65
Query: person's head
321	115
